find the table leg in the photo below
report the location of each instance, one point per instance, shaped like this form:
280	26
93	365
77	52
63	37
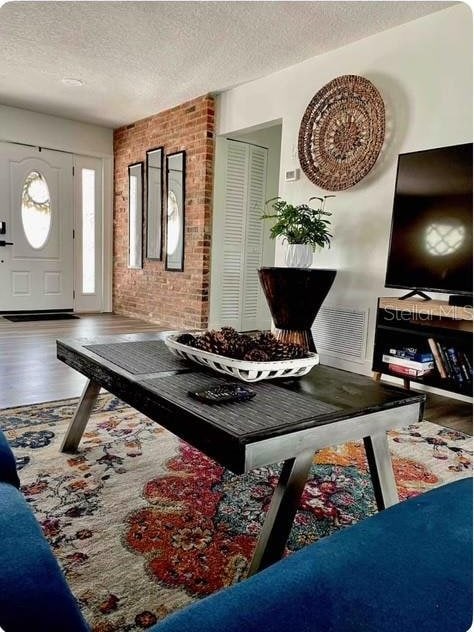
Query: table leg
279	519
381	471
81	417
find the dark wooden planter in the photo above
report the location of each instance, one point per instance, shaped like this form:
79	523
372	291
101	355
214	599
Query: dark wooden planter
294	296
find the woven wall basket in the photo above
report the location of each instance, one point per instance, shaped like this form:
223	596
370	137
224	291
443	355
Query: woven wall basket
342	133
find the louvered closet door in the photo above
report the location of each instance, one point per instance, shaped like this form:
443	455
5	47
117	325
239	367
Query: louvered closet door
242	234
253	243
235	203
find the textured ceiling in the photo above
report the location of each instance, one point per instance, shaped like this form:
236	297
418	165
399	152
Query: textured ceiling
138	58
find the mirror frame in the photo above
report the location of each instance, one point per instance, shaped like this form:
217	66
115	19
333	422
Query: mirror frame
183	214
139	214
158	254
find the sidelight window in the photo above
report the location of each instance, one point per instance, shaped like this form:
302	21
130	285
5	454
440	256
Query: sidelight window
88	231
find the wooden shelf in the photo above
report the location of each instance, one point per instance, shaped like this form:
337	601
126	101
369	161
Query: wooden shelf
432	379
411	323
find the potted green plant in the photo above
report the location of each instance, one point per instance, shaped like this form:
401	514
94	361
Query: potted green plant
302	227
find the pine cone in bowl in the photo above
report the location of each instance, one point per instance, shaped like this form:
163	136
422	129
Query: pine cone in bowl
229	333
256	355
238	346
290	351
186	339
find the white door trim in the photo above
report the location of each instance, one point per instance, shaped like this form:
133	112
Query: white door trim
108	233
107	229
88	301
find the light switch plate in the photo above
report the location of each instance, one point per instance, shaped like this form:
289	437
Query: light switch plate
292	175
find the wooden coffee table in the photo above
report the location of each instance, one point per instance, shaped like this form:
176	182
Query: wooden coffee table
287	421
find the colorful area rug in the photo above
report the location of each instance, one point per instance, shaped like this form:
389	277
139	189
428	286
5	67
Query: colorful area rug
143	524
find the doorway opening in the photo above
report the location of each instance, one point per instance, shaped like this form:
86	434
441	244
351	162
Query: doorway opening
247	173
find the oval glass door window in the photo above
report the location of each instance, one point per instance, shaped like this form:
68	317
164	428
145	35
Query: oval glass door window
36	209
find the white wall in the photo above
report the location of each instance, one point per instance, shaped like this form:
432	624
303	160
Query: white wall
43	130
82	139
423	70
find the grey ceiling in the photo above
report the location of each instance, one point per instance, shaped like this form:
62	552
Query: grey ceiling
138	58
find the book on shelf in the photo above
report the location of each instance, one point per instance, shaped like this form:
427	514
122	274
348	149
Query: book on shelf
467	364
465	372
437	358
466	368
445	358
461	373
407	371
411	353
458	375
412	364
451	363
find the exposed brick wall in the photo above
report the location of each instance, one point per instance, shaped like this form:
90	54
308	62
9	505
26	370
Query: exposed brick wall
171	299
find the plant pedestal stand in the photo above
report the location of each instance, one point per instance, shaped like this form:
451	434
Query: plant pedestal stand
294	296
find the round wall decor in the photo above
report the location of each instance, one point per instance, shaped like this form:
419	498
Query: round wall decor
342	133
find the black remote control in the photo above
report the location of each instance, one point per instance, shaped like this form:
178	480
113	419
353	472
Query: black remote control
224	393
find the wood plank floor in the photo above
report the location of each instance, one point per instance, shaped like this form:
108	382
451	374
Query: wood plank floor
449	412
30	372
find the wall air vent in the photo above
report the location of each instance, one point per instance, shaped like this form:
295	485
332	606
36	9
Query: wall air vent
342	332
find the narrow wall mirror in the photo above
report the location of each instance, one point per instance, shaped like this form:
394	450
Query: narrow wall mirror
135	215
175	179
154	208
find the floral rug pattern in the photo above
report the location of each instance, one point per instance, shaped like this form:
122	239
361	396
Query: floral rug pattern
143	524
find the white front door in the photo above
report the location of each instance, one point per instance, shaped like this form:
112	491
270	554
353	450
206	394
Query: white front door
36	229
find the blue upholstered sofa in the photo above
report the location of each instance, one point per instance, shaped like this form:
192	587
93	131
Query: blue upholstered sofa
34	596
406	569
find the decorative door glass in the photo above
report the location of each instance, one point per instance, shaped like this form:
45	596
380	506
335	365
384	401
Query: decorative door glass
36	209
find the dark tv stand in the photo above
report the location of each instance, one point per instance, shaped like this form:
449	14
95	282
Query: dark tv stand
426	326
424	297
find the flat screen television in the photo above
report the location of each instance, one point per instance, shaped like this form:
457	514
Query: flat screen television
431	237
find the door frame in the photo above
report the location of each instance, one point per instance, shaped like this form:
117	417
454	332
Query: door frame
106	243
218	221
93	301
